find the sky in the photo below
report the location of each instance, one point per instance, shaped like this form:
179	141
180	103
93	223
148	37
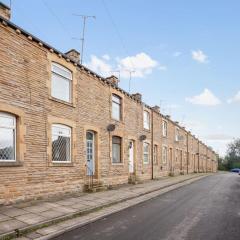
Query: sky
182	55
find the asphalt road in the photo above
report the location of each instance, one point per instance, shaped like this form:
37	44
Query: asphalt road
208	209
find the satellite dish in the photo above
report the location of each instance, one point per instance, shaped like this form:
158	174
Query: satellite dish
143	137
111	127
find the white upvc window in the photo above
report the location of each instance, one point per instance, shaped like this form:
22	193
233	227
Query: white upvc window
61	143
61	83
164	128
146	152
116	149
177	134
164	154
7	137
146	120
116	107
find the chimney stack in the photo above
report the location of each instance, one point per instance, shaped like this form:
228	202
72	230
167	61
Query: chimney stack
74	55
156	108
113	80
137	96
5	11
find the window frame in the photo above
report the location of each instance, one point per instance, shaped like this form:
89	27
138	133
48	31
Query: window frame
164	128
177	134
14	118
70	80
164	160
146	122
120	150
144	153
119	104
63	126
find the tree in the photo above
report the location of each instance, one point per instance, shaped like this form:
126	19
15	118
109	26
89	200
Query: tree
233	154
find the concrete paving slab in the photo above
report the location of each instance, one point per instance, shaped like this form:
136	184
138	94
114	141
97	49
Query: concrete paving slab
37	208
30	218
51	214
11	225
13	212
65	209
81	206
4	217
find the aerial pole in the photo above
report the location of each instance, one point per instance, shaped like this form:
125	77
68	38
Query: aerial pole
85	17
130	79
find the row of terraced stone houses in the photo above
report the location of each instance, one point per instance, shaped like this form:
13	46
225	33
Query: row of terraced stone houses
62	124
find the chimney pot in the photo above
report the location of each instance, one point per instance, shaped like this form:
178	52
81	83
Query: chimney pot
137	96
113	80
74	55
5	11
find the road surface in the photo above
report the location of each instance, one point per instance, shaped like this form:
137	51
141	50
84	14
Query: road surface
208	209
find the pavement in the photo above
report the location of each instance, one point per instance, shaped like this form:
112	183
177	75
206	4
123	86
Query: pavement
208	209
49	218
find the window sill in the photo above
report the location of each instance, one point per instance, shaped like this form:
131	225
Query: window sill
70	104
117	121
11	164
61	164
117	164
147	130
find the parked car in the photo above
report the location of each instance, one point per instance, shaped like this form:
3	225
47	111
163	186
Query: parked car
236	170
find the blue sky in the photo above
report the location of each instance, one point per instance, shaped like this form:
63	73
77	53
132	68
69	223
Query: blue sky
185	54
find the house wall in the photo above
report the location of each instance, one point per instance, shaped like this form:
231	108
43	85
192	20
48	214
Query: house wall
25	91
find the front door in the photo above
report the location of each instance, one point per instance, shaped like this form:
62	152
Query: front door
131	156
90	153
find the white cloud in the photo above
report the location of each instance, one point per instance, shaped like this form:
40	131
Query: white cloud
177	54
106	57
199	56
206	98
142	64
235	98
98	65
